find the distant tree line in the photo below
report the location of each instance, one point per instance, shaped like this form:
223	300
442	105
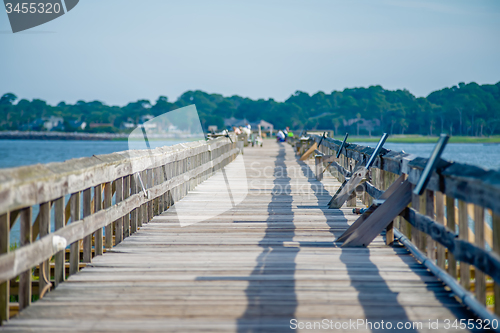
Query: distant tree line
466	109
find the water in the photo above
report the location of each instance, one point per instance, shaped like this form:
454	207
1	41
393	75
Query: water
483	155
14	153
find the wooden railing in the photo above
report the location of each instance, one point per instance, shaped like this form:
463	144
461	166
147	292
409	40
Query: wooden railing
447	223
85	196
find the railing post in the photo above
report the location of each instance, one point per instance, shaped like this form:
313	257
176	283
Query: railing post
450	223
143	208
441	259
87	240
25	277
44	231
496	249
415	203
108	230
386	179
463	233
119	223
429	211
74	256
126	195
480	277
60	257
134	215
150	202
351	202
4	248
98	207
319	163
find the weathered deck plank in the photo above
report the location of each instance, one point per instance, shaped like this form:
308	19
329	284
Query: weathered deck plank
251	269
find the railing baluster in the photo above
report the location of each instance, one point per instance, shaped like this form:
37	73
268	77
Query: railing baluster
441	259
126	195
463	233
134	215
87	211
496	249
4	248
150	176
44	224
25	277
429	211
480	277
98	232
119	223
415	203
108	230
60	257
74	256
450	223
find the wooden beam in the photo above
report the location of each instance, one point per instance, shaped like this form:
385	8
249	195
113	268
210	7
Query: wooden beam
348	187
463	233
44	231
74	257
480	277
309	152
119	223
430	245
87	211
381	217
440	249
134	215
384	196
108	230
496	249
450	223
126	218
4	249
97	208
60	257
25	277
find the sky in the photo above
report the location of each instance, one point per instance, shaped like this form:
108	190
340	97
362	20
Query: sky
118	51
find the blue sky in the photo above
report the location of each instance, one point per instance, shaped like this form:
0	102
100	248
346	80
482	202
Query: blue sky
118	51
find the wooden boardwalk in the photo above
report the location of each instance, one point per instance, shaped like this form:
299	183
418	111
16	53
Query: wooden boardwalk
250	269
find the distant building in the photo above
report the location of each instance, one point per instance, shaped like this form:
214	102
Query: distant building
53	123
77	125
265	126
233	122
363	124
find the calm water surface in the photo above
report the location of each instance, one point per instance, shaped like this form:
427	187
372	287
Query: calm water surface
15	153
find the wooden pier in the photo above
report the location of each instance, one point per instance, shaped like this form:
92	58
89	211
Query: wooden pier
253	268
